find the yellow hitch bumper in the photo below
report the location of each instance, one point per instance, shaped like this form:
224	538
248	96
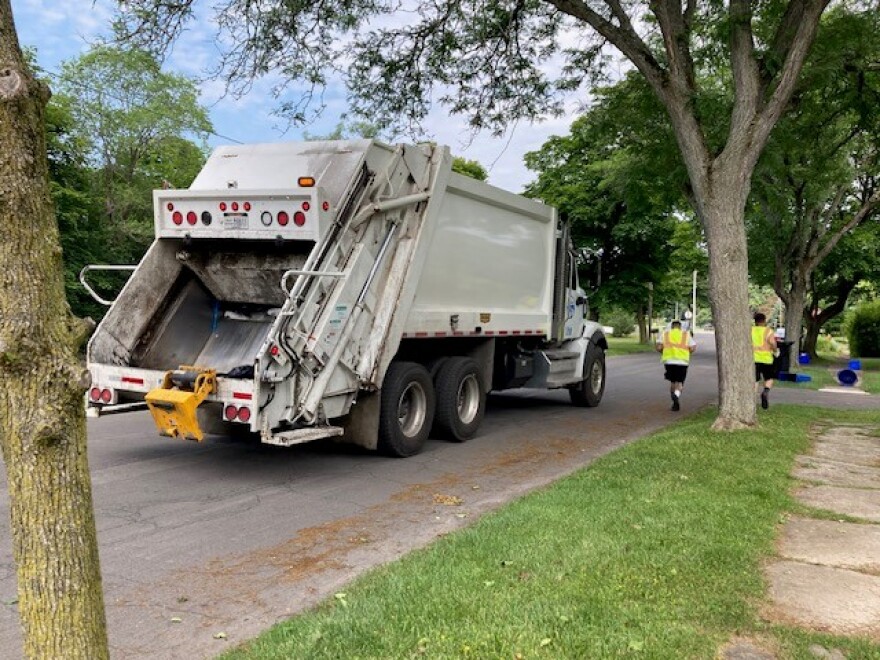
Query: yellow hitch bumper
173	405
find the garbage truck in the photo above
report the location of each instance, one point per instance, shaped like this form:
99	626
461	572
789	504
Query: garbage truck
342	289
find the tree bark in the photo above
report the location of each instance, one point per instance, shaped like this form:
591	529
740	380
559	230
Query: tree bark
795	300
42	418
722	216
642	324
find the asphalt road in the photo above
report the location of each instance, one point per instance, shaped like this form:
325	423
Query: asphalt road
232	537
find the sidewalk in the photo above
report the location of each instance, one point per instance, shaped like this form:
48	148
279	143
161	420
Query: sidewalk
827	574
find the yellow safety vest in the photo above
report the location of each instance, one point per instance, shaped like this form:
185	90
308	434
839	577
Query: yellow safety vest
676	346
761	344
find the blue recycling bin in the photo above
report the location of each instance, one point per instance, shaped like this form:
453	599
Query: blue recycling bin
847	377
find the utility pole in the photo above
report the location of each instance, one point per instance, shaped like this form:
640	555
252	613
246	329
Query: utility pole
650	309
694	304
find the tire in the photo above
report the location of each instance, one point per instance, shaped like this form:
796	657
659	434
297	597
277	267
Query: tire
461	400
406	409
588	393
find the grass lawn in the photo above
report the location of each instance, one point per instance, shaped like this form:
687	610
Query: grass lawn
626	345
653	551
823	372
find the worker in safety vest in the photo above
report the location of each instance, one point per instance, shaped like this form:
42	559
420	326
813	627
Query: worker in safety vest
763	346
676	346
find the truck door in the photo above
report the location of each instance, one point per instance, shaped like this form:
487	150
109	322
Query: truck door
576	302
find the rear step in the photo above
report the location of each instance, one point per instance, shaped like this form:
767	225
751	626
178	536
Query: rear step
299	436
173	404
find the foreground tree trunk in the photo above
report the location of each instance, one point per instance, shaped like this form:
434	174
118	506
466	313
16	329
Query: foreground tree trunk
722	216
42	419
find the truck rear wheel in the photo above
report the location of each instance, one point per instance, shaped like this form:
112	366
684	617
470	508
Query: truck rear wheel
461	399
407	409
588	393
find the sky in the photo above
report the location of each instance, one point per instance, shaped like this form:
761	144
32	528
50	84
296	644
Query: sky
61	30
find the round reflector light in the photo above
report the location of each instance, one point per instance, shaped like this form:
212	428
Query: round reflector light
170	206
234	206
274	350
283	218
95	394
106	396
177	217
306	206
247	206
222	206
326	206
191	217
266	218
244	414
230	412
299	218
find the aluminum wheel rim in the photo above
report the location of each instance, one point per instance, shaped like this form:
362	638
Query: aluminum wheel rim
468	399
596	377
411	409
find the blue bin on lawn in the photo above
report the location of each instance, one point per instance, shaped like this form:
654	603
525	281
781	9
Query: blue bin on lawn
855	365
847	377
803	358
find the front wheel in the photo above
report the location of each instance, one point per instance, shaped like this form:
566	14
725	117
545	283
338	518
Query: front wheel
461	399
406	409
588	393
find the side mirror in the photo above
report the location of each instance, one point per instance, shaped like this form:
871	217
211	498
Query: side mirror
581	300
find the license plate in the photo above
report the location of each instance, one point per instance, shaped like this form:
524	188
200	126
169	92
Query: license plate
237	221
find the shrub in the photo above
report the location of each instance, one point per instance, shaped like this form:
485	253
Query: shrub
863	330
622	322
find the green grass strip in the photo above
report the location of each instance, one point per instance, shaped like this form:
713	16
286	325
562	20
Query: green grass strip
627	346
654	551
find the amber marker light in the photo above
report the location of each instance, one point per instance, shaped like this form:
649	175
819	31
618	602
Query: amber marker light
306	182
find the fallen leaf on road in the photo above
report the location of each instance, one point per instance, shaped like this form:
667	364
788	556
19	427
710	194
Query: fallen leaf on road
220	635
448	500
176	619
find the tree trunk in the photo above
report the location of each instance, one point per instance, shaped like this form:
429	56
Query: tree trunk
42	419
814	326
794	317
642	325
721	212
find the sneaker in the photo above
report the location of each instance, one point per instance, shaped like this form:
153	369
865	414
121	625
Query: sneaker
765	399
675	405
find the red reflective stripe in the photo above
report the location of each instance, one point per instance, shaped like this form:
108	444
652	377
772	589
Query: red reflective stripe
246	396
439	334
421	334
132	380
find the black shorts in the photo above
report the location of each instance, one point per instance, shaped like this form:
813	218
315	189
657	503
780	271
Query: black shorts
675	373
765	371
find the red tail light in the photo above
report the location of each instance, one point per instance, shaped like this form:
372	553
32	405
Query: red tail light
326	206
95	394
299	218
234	206
306	206
283	218
244	414
222	206
191	217
170	206
177	217
247	206
230	412
106	396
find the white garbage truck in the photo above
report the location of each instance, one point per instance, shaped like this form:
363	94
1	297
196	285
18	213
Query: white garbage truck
342	288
